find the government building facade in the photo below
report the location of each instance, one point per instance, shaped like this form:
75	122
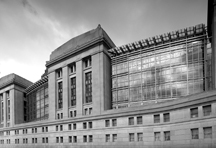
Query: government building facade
158	92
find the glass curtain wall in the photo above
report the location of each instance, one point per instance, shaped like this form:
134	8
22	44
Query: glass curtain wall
38	105
160	72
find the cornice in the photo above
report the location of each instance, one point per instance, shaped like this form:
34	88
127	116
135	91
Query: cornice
78	49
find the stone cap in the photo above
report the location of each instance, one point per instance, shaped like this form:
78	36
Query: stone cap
76	43
14	79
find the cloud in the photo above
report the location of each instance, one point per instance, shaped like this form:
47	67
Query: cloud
25	70
28	6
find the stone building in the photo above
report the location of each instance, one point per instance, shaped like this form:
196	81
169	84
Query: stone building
157	92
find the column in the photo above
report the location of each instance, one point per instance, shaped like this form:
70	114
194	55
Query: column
79	87
12	115
65	91
5	109
52	95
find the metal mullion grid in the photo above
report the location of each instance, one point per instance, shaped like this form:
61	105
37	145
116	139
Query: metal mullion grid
205	64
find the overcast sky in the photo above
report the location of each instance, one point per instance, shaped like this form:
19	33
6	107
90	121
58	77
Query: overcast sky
31	29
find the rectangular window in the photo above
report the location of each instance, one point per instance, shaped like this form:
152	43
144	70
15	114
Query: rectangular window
131	120
88	87
59	73
61	127
166	117
157	136
74	126
90	111
47	141
131	137
107	138
90	138
84	138
35	140
56	127
35	130
43	140
61	139
71	113
107	123
70	139
61	115
60	105
87	62
73	91
139	120
167	136
207	132
69	126
157	118
195	133
42	129
90	124
74	139
86	111
72	67
114	122
194	112
74	113
84	125
207	110
139	136
114	136
46	129
32	140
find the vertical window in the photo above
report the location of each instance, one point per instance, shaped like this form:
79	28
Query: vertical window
84	125
139	136
42	129
60	95
166	117
69	126
59	73
87	62
85	138
73	91
75	139
90	124
194	112
90	138
70	139
107	138
131	120
56	127
157	136
90	111
114	122
207	132
47	141
32	140
43	140
61	127
75	113
71	113
207	110
167	136
74	126
61	139
107	123
86	111
61	115
46	129
72	68
157	118
195	133
114	136
131	137
57	139
88	87
139	120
